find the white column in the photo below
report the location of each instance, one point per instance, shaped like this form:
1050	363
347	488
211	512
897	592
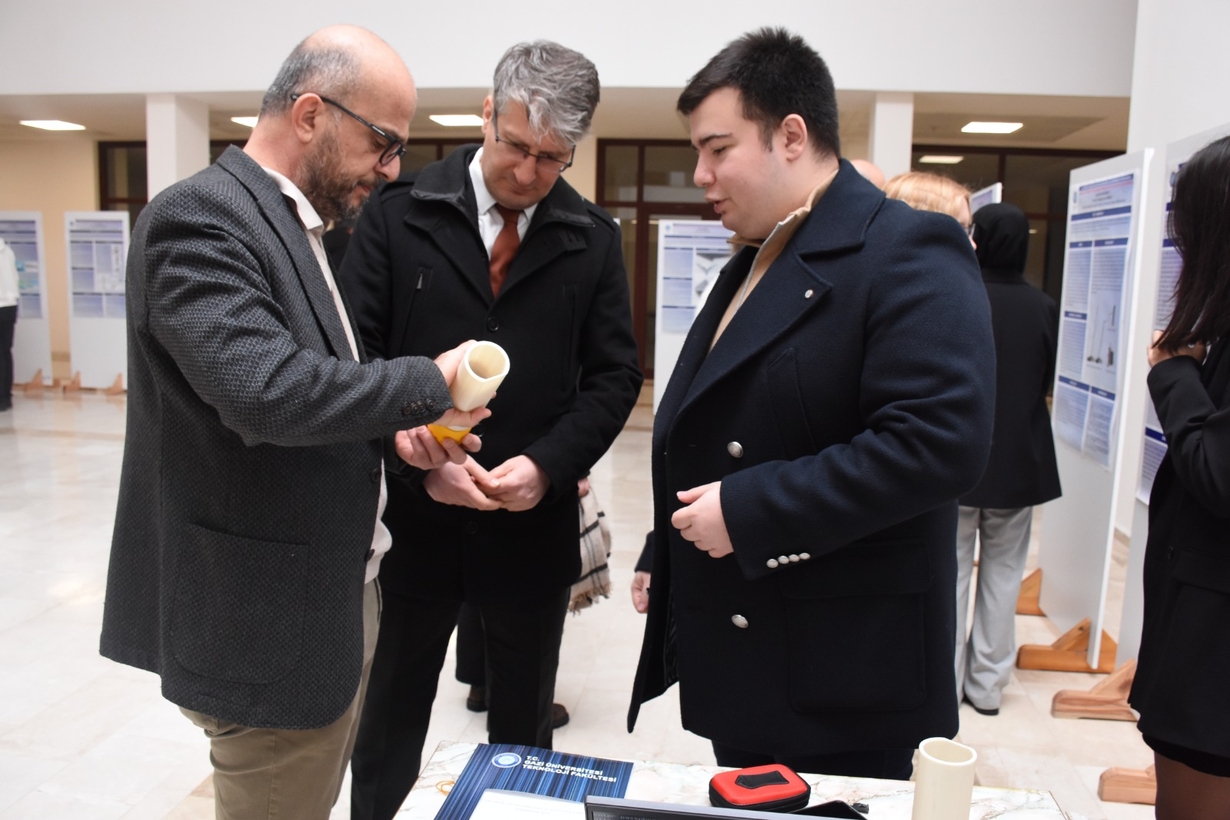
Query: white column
891	132
176	137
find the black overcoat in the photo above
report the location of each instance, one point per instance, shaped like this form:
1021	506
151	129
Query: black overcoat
417	275
844	409
1182	682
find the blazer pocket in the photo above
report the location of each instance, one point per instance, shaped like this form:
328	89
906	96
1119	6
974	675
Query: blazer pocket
238	606
855	623
1199	569
786	400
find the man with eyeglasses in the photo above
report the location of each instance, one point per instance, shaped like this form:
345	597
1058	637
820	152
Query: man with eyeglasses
247	536
492	243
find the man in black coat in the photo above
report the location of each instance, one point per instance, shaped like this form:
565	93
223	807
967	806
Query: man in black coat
492	243
831	402
247	534
1021	471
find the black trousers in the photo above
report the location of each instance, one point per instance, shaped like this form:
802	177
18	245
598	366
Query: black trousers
471	657
885	764
8	319
522	640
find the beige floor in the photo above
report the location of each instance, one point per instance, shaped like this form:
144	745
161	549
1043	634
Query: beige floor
81	737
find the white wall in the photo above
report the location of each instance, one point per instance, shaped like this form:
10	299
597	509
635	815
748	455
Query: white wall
1056	47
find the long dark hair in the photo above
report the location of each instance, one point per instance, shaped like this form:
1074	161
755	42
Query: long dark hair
1199	226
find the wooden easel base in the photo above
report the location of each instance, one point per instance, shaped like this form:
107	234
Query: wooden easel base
1067	653
1027	599
1128	786
116	388
1107	700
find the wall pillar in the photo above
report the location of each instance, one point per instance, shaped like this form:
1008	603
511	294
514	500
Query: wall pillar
891	132
176	138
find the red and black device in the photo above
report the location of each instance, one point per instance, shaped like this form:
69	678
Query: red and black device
765	788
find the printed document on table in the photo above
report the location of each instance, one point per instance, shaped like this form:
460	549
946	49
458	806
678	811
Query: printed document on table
496	804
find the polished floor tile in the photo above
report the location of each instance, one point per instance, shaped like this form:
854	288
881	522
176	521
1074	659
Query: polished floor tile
81	737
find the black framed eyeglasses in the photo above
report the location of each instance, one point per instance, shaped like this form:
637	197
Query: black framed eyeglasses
393	147
552	165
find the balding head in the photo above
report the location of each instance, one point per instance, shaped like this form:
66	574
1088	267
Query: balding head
338	62
870	171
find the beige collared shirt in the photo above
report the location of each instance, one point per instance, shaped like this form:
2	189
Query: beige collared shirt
769	250
314	227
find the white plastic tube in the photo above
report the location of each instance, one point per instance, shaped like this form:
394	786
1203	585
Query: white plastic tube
944	782
480	374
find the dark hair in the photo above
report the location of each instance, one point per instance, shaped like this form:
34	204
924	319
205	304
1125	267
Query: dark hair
777	74
1199	226
330	70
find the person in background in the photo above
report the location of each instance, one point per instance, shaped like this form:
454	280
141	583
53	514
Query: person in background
1182	684
10	294
247	534
1022	471
931	192
832	400
870	171
493	242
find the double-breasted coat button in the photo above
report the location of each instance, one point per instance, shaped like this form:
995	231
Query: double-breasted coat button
810	293
735	449
794	559
771	563
739	621
804	556
493	323
783	559
374	475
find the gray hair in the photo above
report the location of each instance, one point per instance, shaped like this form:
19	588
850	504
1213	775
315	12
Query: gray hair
328	70
557	86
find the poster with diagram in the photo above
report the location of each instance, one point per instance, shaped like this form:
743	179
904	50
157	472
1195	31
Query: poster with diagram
1102	219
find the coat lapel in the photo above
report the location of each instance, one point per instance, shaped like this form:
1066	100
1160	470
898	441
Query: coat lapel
286	225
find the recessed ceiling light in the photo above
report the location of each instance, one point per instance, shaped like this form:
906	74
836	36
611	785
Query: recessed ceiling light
991	127
457	120
53	125
940	159
250	122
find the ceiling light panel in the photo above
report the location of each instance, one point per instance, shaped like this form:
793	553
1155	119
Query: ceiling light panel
991	127
53	125
457	120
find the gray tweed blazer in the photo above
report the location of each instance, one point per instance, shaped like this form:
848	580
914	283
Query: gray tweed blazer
252	459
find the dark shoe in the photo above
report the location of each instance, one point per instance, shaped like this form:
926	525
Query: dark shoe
980	710
559	715
476	701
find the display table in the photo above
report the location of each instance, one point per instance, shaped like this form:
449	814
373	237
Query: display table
676	783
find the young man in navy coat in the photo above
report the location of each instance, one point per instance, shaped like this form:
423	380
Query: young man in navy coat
832	400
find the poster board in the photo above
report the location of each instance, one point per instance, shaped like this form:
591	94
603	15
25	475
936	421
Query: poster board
990	195
23	231
1101	278
1159	275
97	243
691	254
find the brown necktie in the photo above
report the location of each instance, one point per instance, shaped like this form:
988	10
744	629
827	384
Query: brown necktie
505	248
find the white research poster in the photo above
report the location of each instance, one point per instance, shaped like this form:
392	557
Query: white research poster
691	254
1101	223
97	255
23	231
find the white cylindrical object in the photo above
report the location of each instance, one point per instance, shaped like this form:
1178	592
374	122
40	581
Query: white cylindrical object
482	369
944	782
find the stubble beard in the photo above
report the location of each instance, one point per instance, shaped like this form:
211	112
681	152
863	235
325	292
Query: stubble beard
330	193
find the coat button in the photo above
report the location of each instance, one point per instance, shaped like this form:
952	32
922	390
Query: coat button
471	528
783	559
493	323
739	621
810	293
735	449
771	563
431	404
375	475
408	410
371	552
794	559
804	556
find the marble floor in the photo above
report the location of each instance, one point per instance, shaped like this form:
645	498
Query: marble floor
82	737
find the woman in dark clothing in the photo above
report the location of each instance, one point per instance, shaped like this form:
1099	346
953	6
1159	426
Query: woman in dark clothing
1182	684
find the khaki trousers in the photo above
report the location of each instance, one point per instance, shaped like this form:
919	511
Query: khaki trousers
287	774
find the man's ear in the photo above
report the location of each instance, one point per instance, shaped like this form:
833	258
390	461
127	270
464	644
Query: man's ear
307	117
792	136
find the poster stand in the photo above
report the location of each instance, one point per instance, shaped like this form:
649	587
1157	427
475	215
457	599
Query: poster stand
1128	786
1069	652
1027	598
1107	700
97	244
